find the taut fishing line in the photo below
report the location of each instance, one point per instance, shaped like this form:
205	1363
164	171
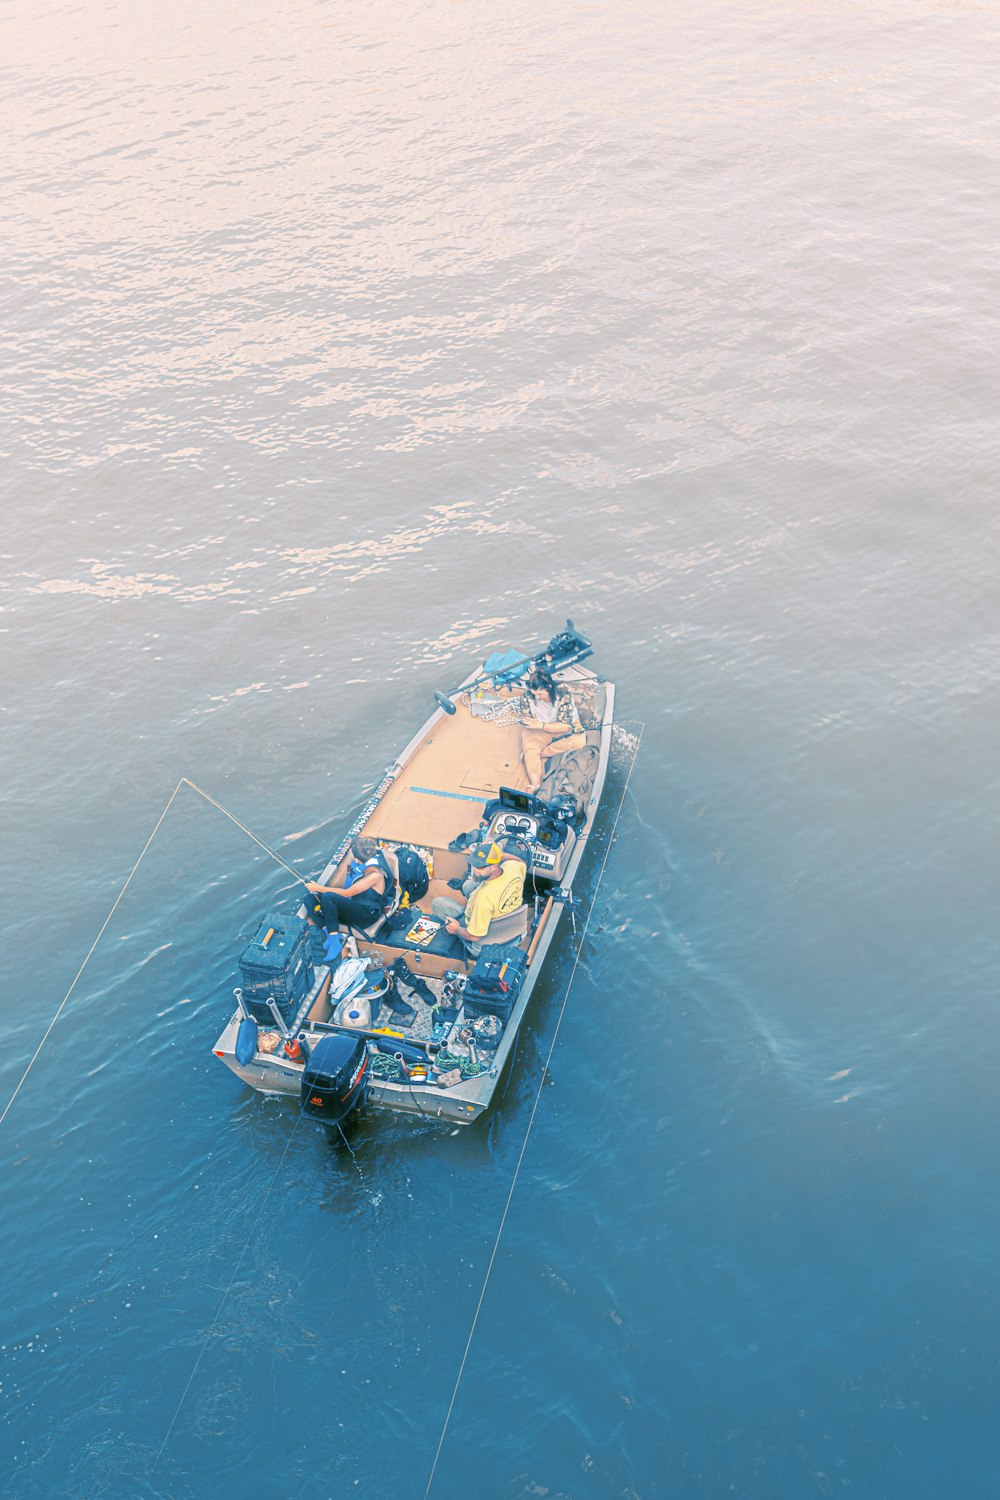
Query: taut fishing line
531	1120
225	1296
184	781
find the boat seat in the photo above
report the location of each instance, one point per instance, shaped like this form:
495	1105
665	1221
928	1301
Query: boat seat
511	929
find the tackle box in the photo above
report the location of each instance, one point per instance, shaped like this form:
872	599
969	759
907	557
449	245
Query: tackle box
277	968
495	981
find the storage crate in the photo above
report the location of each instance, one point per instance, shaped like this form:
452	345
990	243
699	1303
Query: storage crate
277	968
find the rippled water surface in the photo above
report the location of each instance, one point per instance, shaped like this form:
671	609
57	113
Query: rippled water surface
341	344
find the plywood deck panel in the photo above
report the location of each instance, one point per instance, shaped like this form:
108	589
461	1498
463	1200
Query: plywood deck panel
461	764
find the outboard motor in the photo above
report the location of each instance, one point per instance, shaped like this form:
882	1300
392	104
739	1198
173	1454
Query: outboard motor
333	1081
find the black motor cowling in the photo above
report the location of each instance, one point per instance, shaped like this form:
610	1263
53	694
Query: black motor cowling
333	1081
568	646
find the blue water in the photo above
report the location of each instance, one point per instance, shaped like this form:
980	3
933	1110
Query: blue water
340	346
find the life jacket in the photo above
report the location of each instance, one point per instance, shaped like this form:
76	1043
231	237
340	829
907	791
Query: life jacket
379	862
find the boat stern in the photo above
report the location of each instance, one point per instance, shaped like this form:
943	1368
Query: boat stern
269	1073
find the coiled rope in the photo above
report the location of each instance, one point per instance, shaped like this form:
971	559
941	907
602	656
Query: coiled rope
494	710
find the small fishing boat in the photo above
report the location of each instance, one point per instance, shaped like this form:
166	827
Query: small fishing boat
403	1013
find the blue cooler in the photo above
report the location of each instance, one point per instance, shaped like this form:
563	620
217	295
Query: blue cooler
277	968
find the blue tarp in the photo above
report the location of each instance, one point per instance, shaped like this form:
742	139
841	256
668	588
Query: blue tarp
514	663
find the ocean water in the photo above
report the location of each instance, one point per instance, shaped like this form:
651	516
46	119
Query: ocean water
341	345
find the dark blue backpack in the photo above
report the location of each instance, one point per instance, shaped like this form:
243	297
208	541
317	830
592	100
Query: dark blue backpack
413	877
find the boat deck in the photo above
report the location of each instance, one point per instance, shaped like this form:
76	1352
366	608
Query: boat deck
462	762
455	769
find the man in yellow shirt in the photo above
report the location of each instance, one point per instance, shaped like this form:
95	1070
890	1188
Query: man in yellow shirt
499	891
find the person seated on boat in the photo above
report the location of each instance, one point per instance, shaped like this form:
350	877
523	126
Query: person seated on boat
497	890
550	725
364	899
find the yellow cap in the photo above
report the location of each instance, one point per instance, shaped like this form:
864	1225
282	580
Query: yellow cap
486	854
